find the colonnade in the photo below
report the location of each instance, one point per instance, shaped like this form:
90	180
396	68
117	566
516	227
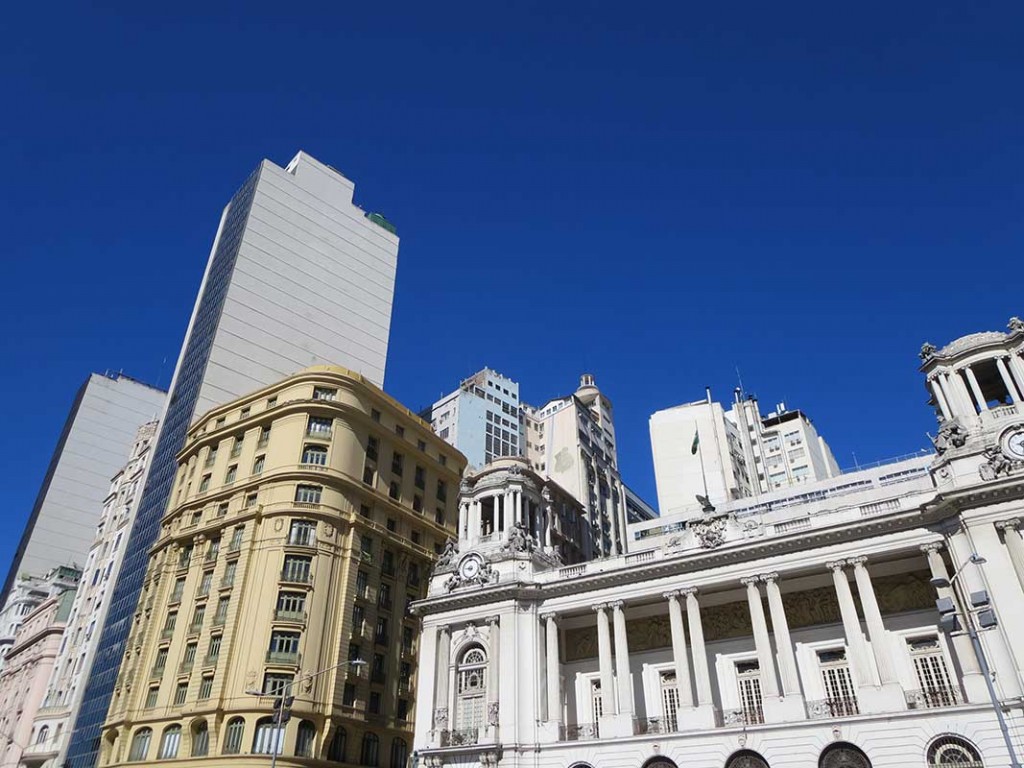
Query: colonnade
957	391
511	506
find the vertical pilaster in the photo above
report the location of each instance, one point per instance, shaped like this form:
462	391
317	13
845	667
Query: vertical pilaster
553	668
1014	545
769	680
442	676
701	676
604	659
622	661
783	642
675	615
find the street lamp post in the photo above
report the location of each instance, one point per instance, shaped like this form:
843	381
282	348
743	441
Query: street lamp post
283	700
950	610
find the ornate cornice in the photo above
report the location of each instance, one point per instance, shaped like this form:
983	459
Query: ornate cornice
835	565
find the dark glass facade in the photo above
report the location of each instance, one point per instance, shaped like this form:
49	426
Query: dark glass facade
83	750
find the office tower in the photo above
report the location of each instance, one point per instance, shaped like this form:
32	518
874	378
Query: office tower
106	412
819	624
570	440
92	599
701	449
297	275
304	519
23	679
481	418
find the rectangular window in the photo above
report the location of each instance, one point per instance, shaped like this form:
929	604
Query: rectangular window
381	635
197	618
384	596
297	569
250	501
213	550
291	605
669	701
399	430
368	475
748	676
161	660
151	696
348	696
276	682
421	445
204	483
417	503
397	463
205	582
375	415
355	652
358	620
308	494
180	694
228	580
264	437
314	454
221	614
394	490
407	635
302	533
236	448
283	645
403	710
205	687
323	393
420	477
319	427
190	655
387	563
936	688
372	448
366	546
185	556
257	464
362	584
374	705
840	699
213	653
236	539
222	509
232	474
442	491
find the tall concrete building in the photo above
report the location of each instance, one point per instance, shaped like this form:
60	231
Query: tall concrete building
104	417
569	439
71	668
298	275
702	449
305	519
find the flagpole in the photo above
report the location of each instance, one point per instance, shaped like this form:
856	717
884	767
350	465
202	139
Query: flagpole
703	477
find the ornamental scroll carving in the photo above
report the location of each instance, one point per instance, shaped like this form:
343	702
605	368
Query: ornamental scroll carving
710	533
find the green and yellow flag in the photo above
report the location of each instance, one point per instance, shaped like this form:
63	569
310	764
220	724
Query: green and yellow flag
696	442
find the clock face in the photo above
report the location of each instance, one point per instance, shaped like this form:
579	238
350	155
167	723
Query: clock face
1013	444
469	567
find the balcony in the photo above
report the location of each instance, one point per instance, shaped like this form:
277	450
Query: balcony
210	661
158	670
297	577
195	627
319	434
219	619
581	732
655	725
167	633
933	698
298	617
729	717
186	666
460	737
839	706
290	658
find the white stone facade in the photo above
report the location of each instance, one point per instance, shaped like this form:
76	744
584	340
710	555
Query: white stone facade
725	644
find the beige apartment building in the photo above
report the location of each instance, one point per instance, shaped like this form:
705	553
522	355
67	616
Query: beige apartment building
304	518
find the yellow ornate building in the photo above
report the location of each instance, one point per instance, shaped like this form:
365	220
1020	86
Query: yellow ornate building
303	520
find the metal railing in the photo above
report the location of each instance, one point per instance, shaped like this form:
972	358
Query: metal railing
933	698
839	706
751	716
649	725
282	615
283	657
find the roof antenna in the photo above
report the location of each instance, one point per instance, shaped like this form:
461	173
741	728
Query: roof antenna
740	380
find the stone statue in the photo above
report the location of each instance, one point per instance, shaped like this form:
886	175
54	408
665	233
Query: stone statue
448	554
1015	324
519	539
951	435
927	350
709	532
996	464
705	504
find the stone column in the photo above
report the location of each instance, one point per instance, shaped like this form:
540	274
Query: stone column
622	661
474	520
1014	545
769	681
700	656
604	657
675	616
517	497
946	387
975	389
494	670
1004	373
553	668
783	642
443	673
940	398
878	636
464	520
956	384
1017	371
859	661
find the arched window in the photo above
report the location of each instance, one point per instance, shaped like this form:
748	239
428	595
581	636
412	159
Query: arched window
842	754
336	750
233	736
746	758
200	739
305	740
269	738
659	762
471	689
43	735
399	753
953	750
140	745
368	755
169	743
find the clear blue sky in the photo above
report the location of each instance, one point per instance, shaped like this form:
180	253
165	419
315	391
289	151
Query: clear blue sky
658	193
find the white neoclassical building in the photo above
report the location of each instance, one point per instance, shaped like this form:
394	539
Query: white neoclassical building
827	625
